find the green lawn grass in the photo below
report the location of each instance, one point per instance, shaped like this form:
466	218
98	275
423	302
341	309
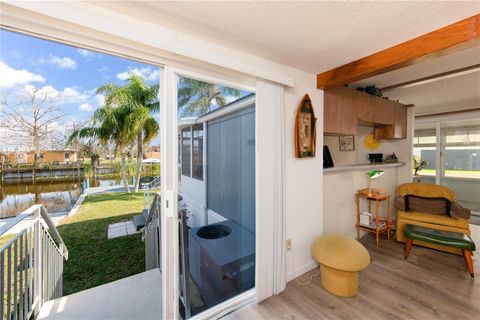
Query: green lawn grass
94	260
453	173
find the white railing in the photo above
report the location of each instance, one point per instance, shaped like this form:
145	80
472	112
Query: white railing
148	191
31	264
151	235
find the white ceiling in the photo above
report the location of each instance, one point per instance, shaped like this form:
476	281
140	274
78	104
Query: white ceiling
312	36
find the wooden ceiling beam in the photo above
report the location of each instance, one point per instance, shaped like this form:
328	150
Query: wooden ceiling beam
460	35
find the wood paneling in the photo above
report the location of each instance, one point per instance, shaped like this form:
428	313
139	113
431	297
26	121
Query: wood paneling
429	285
345	107
399	128
460	35
339	115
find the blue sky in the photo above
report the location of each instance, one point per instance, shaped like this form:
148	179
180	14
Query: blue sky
72	73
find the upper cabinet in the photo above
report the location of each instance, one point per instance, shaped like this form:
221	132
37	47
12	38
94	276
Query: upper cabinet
337	115
344	108
399	128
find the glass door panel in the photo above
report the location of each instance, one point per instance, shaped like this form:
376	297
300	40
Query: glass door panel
216	188
424	153
460	160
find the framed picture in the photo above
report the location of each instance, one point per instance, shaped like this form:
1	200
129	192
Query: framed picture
305	129
346	143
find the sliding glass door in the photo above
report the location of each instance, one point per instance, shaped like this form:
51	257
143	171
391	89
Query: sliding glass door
460	160
208	194
217	192
447	152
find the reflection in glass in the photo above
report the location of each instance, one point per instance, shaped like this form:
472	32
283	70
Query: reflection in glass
217	184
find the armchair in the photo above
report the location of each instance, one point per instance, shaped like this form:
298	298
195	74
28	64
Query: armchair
431	206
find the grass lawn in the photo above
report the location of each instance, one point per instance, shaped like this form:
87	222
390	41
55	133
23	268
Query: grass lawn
4	239
94	260
474	174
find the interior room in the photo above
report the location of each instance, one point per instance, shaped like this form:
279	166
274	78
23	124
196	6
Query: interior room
317	160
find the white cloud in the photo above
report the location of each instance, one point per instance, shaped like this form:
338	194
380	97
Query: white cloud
11	77
86	107
146	73
62	62
86	53
100	100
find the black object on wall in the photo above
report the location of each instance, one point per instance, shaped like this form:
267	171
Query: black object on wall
327	158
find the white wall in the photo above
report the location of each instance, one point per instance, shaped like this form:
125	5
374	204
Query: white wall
193	193
339	197
340	158
303	180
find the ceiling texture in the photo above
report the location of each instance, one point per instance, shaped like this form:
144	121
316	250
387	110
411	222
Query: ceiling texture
318	36
311	36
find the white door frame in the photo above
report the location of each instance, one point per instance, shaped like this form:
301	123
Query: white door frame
169	190
270	235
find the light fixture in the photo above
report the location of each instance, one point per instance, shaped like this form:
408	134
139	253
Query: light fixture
373	174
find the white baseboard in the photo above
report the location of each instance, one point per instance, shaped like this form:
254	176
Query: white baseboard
309	266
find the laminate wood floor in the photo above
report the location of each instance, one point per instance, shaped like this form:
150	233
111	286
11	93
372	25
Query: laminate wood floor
429	285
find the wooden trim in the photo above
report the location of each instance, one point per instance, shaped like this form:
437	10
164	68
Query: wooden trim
460	35
446	113
435	77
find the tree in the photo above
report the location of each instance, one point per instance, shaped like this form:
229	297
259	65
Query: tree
139	100
110	125
32	120
197	97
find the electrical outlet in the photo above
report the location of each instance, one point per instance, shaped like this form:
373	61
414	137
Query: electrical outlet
289	244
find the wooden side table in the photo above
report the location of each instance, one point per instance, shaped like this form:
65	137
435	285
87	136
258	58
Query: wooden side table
377	195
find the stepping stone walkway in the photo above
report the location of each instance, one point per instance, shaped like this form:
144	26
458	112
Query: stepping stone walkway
121	229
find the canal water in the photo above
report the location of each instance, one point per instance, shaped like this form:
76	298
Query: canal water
56	195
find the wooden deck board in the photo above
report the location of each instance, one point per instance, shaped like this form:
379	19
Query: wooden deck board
430	285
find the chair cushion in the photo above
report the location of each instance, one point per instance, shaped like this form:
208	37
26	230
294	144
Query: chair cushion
439	206
340	252
444	238
433	219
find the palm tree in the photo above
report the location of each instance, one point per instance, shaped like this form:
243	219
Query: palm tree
139	100
197	97
110	125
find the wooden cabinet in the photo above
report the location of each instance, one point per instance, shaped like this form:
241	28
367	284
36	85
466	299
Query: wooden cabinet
399	128
338	117
344	108
374	109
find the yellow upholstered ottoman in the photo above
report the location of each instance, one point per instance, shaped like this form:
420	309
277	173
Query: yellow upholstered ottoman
340	259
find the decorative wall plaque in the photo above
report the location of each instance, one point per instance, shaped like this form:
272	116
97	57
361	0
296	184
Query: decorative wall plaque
305	129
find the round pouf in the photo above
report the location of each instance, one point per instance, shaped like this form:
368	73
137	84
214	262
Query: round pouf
340	259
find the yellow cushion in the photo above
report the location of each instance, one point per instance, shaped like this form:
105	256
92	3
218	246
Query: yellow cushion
433	219
340	252
426	190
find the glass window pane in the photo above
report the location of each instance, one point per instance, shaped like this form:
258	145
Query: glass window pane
186	149
197	152
461	161
424	157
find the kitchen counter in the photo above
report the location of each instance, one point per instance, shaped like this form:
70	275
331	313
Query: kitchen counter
364	166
